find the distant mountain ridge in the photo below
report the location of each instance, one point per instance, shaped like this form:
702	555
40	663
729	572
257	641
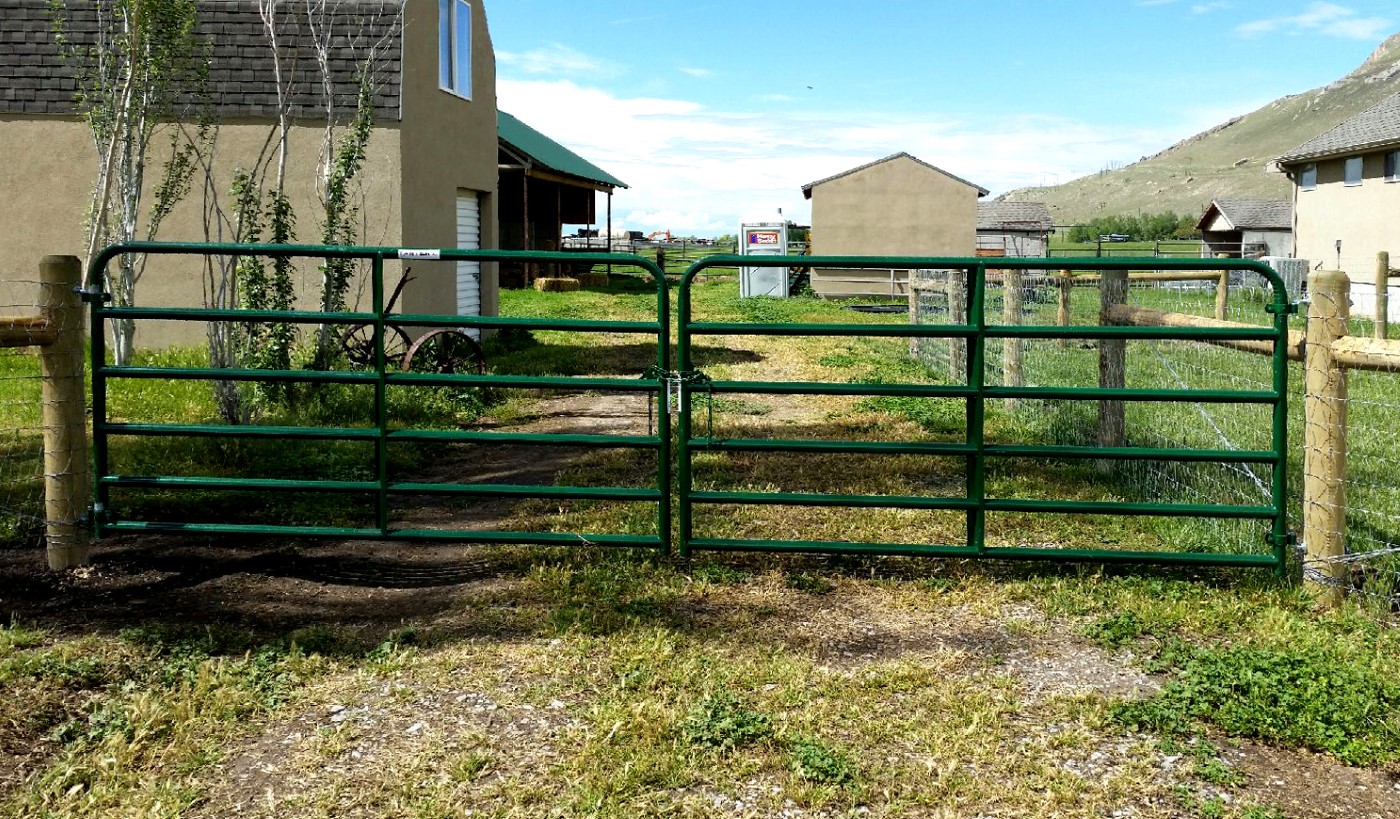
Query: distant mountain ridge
1229	161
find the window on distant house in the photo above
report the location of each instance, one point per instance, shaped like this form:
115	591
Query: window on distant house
1352	177
1392	166
455	47
1307	177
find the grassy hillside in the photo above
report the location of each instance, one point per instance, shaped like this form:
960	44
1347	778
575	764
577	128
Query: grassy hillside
1228	161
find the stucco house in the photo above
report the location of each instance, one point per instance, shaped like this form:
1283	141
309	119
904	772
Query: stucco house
429	178
1346	193
1247	228
896	206
1018	229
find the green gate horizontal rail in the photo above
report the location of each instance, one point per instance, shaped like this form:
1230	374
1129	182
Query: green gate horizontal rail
975	448
377	432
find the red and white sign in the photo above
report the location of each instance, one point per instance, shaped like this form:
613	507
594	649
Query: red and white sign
764	237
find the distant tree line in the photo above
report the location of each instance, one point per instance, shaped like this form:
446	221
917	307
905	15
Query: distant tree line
1144	227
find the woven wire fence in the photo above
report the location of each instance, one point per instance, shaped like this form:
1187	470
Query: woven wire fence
21	434
1050	298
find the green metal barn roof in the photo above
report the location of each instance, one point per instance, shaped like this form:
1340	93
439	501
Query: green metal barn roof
550	154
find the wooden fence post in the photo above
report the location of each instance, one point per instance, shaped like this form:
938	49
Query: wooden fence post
957	314
1062	317
1325	425
1382	294
66	485
1013	349
1222	296
1113	290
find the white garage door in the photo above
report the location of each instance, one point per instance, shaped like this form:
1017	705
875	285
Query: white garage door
469	273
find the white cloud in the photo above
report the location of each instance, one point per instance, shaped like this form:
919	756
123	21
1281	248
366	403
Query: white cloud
1321	18
693	169
1207	8
698	73
556	60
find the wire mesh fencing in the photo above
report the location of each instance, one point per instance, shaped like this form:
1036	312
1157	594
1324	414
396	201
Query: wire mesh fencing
1362	449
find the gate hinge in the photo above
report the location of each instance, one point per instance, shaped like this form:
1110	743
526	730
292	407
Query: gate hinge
90	296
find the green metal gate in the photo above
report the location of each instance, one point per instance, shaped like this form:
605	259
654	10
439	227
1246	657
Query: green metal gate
675	392
377	430
975	448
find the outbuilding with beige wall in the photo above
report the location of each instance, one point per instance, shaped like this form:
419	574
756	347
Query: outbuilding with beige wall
896	206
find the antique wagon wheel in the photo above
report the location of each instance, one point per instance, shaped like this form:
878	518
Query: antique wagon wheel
358	343
446	350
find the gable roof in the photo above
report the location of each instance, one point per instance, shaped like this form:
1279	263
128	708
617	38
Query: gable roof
1023	216
1250	214
807	189
539	149
35	77
1376	127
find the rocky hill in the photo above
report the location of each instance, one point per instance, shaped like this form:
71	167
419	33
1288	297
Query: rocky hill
1230	160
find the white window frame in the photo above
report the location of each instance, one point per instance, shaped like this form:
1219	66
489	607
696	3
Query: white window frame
1392	166
1353	163
1307	177
454	28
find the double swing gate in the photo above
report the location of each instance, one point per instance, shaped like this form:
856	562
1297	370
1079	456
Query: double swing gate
688	392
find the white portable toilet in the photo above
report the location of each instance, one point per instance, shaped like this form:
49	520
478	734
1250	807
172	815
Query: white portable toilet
763	238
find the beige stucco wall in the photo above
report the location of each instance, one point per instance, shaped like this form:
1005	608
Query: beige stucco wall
449	144
1366	218
45	195
896	208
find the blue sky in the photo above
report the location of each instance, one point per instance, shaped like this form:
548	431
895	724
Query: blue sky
713	111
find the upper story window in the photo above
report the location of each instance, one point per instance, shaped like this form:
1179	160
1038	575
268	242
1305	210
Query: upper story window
1307	177
1392	166
455	47
1352	175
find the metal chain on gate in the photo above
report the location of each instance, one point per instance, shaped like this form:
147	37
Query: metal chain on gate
674	380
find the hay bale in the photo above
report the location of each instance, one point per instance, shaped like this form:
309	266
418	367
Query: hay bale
556	285
593	278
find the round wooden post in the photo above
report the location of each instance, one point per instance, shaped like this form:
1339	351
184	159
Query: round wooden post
957	314
1325	428
1062	317
66	485
1013	349
1113	290
1222	296
1382	294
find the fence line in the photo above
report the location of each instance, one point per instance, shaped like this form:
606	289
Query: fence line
1347	537
58	333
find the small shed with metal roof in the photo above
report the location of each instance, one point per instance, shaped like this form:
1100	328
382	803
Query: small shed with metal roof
542	187
896	206
1247	228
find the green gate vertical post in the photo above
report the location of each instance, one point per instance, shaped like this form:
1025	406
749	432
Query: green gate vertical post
684	428
663	413
977	409
1279	535
381	394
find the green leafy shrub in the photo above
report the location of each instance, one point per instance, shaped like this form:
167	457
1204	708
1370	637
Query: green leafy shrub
721	721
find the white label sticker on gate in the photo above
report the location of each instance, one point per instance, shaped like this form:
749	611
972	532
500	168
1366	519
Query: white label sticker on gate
428	255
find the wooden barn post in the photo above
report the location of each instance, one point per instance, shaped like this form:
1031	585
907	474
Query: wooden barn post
66	484
1325	430
957	314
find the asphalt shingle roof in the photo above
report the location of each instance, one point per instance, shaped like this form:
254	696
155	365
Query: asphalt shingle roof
807	189
1024	216
35	78
1253	214
1376	127
546	152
